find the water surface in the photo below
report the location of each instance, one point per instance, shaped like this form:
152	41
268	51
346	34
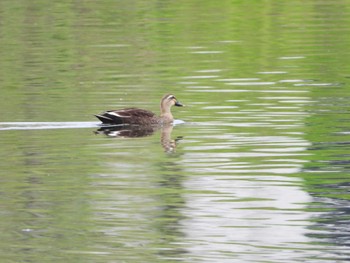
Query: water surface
255	169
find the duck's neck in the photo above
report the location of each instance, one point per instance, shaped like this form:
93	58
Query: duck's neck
165	114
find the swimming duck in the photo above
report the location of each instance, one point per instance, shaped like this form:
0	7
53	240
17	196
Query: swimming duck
136	116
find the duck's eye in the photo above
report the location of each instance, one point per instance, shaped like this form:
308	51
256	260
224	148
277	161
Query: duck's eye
172	98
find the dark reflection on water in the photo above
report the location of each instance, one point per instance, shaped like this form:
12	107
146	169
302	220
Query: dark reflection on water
334	223
126	131
135	131
329	184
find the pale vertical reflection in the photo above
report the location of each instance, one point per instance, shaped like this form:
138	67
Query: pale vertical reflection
246	217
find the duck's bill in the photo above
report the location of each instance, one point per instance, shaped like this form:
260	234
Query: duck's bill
179	104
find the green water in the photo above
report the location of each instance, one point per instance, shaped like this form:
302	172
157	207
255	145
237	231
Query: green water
259	171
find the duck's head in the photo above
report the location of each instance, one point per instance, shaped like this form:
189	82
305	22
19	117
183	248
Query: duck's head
170	100
167	102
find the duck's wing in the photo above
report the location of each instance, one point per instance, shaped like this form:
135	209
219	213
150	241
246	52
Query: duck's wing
126	116
136	112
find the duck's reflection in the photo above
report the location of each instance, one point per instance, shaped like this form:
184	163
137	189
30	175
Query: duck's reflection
136	131
126	131
168	144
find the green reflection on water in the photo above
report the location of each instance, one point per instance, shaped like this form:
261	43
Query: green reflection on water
68	194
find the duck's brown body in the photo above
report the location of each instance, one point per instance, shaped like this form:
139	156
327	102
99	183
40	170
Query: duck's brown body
128	116
136	116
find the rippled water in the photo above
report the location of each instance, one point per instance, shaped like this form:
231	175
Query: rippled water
255	169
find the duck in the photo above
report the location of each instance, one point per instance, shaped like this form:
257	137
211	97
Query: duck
136	116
